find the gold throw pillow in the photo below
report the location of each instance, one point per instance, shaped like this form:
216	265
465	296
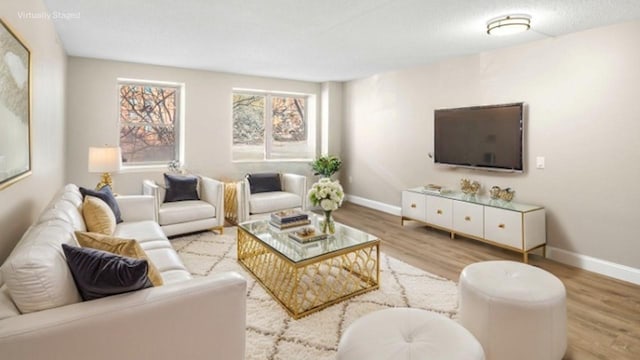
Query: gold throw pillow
124	247
98	216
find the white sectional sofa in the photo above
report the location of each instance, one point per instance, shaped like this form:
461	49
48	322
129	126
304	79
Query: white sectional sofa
43	317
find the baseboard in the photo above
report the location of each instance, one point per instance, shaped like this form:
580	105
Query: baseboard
603	267
372	204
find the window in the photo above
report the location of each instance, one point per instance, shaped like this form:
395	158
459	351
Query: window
150	119
272	126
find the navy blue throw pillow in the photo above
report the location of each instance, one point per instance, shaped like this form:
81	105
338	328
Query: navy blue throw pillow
98	274
180	187
107	196
265	182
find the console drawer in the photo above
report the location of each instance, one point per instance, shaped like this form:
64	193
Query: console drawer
439	211
414	206
503	227
468	219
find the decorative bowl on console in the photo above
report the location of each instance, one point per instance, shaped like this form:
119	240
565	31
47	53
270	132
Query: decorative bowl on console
494	193
507	194
469	187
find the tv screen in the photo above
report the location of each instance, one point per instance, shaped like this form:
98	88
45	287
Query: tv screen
489	137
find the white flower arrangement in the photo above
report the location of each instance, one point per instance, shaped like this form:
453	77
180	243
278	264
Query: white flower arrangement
326	193
175	166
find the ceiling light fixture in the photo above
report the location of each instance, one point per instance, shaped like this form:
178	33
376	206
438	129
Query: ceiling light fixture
509	24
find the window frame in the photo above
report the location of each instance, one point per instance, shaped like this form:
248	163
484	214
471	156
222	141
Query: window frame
309	119
179	122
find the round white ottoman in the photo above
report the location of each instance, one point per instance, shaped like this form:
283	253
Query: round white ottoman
515	310
404	333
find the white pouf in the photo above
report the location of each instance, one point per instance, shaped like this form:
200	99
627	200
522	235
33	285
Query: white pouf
404	333
515	310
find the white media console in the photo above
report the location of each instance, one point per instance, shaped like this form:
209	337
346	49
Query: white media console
513	226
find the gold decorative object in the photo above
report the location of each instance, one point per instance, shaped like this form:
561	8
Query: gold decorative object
495	192
507	194
313	284
308	231
231	202
469	187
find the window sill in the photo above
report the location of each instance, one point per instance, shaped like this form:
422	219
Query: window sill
272	161
144	168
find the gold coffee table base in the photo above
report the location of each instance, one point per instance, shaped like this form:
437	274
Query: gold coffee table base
314	284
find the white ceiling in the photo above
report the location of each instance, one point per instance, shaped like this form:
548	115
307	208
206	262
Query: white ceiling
315	40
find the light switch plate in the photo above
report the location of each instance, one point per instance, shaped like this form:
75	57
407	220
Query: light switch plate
540	162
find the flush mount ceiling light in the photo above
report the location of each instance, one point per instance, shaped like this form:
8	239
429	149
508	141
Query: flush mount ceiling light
509	24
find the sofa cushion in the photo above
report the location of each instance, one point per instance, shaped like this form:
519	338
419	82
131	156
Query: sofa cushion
70	212
180	188
142	231
266	182
98	274
166	259
98	216
175	276
124	247
36	272
52	214
7	307
185	211
70	193
273	201
107	196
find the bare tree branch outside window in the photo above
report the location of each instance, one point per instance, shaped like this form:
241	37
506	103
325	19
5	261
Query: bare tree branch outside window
148	123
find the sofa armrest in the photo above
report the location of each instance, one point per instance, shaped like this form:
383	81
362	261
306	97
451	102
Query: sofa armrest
137	207
212	191
202	318
296	184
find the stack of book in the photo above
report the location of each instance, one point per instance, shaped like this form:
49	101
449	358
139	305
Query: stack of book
289	218
307	235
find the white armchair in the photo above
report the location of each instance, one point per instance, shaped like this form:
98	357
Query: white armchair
259	205
181	217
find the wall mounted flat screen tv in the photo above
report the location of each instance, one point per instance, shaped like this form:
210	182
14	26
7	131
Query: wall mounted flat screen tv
486	137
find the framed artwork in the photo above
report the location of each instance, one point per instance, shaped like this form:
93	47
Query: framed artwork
15	107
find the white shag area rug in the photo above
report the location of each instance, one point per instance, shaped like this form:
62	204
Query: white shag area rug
273	335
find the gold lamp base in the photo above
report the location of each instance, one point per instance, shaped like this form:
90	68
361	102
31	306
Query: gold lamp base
105	180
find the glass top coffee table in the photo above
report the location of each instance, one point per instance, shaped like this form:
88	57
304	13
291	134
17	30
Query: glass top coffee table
305	278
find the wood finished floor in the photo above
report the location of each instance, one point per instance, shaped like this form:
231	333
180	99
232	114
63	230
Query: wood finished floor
603	313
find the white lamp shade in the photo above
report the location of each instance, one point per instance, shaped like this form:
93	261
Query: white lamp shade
104	159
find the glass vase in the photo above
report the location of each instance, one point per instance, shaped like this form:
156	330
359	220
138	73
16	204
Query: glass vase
328	226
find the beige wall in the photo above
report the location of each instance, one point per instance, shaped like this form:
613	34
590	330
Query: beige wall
22	201
582	93
93	118
331	118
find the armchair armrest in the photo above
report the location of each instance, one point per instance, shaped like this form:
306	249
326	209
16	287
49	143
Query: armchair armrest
137	207
150	187
243	195
208	314
296	184
212	191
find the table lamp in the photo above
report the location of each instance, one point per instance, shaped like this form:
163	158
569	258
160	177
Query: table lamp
104	160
